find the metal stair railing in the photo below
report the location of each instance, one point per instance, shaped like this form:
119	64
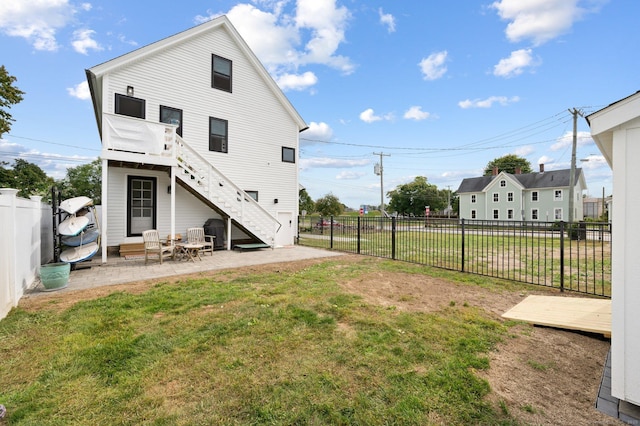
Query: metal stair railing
213	185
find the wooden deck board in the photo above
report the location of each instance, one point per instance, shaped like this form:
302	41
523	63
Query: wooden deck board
573	313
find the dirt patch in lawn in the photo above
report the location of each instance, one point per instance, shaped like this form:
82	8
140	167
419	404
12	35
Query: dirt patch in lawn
541	376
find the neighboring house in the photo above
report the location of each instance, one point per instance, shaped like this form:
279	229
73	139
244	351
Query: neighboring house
594	208
616	131
542	196
193	127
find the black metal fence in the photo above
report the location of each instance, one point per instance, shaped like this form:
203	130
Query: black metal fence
573	257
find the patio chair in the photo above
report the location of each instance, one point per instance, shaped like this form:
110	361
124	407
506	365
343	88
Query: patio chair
197	236
153	245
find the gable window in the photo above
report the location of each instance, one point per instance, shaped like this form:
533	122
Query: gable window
473	214
288	155
557	213
557	195
509	196
220	73
503	183
534	196
130	106
473	198
171	116
252	194
534	214
510	214
218	135
496	214
496	197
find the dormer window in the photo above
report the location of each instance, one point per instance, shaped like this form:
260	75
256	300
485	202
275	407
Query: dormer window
220	73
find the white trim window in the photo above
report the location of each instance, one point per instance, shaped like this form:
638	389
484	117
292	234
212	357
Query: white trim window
473	214
557	195
503	183
496	214
473	198
557	213
534	214
534	195
510	214
496	197
510	197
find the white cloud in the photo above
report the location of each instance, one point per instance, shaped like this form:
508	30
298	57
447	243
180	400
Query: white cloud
416	113
487	103
36	20
328	163
594	162
545	159
83	42
388	20
369	116
538	20
86	6
349	175
514	64
316	132
80	91
565	141
297	81
523	151
433	67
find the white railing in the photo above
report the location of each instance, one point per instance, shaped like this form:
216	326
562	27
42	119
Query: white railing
127	134
212	184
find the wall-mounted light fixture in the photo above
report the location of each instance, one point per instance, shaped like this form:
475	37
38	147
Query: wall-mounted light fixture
129	90
275	201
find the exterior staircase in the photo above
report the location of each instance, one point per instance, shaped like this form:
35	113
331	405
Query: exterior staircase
211	184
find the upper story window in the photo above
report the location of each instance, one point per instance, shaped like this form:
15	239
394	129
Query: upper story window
171	116
557	195
496	197
130	106
473	198
288	155
534	196
503	183
220	73
509	196
218	135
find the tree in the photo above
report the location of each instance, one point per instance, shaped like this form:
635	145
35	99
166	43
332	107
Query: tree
305	203
9	95
329	205
412	198
508	163
30	179
83	180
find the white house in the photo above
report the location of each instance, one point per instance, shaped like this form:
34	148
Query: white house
541	196
616	131
193	127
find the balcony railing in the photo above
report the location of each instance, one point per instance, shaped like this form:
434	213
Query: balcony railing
137	136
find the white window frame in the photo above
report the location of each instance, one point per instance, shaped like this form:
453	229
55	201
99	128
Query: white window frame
555	213
473	198
496	214
535	196
503	183
534	214
474	214
496	197
510	197
510	214
557	195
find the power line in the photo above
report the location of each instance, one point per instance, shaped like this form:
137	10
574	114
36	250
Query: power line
52	143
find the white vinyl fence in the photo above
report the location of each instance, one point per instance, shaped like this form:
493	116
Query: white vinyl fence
26	242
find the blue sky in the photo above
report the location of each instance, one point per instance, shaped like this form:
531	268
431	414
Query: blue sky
441	88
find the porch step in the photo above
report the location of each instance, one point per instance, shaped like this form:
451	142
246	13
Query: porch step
131	249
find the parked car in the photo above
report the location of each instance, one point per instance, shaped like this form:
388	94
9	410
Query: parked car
323	223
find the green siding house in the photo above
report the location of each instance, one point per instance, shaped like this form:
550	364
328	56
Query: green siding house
541	196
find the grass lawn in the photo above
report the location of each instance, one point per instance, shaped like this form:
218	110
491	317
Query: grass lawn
247	348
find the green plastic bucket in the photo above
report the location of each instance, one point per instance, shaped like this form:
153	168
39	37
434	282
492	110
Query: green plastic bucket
55	276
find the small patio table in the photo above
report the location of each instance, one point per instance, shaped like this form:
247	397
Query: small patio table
188	250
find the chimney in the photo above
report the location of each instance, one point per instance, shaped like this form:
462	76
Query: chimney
495	171
518	170
541	167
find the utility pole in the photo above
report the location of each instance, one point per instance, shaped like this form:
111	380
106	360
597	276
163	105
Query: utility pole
379	170
572	177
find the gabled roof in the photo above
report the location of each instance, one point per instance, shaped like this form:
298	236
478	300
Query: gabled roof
96	73
550	179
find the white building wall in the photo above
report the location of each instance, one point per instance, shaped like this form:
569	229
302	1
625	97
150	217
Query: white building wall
258	123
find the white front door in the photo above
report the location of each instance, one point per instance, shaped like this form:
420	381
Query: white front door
141	205
285	235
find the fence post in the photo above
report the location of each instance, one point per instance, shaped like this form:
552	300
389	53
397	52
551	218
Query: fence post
393	238
358	243
462	247
562	256
331	232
